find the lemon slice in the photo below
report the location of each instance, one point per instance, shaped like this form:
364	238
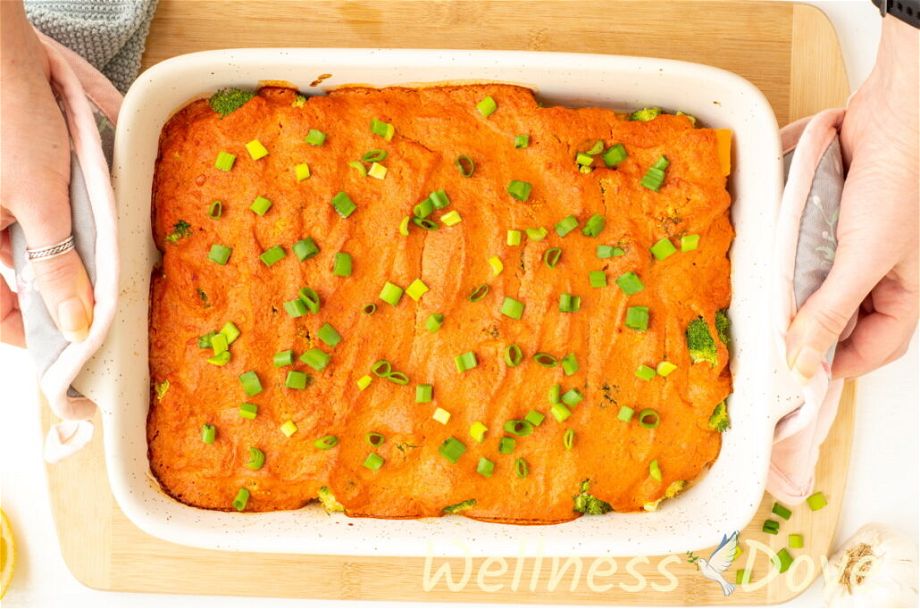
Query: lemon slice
7	554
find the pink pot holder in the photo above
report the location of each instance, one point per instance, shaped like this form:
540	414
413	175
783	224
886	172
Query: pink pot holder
804	248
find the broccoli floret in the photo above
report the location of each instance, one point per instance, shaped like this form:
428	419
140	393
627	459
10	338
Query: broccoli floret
700	342
328	500
226	101
723	326
719	420
585	503
181	230
645	114
459	507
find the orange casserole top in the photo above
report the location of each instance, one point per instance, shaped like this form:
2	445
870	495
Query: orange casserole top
597	456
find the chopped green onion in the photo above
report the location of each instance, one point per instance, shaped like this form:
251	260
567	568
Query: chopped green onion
220	360
771	527
374	155
426	223
637	318
520	190
398	378
572	397
513	356
219	344
373	462
451	218
359	167
416	289
369	309
506	445
343	204
215	210
518	427
630	283
250	382
204	341
301	172
521	141
487	106
465	361
664	368
535	417
569	303
404	226
434	322
225	161
439	199
478	431
220	253
208	433
326	442
597	279
375	439
663	249
566	225
796	541
230	331
341	267
305	249
241	499
452	449
465	166
478	293
364	382
288	428
645	114
649	418
391	293
513	238
614	155
295	308
256	150
497	267
552	256
595	148
594	226
555	392
608	251
441	416
568	439
423	209
272	255
546	360
315	137
248	411
485	468
688	243
382	368
583	159
296	379
283	358
646	373
316	358
377	171
625	414
783	560
654	176
384	130
256	459
423	394
329	335
310	298
654	470
782	511
512	308
816	501
570	364
260	205
521	468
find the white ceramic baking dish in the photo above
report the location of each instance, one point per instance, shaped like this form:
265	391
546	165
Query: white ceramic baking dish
725	499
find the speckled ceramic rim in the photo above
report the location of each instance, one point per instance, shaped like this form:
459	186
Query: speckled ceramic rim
723	500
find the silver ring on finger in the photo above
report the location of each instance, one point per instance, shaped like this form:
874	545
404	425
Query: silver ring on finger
52	251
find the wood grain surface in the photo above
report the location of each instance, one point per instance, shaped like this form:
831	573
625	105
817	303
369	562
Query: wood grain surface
789	51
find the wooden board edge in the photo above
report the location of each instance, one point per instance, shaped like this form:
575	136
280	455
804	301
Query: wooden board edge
817	71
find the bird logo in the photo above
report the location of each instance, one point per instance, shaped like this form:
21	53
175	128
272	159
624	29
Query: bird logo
718	562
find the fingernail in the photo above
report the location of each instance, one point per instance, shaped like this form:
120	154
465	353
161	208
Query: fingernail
72	320
806	363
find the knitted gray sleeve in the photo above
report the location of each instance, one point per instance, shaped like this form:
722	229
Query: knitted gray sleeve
109	34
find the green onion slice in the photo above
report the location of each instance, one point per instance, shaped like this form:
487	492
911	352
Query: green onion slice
520	190
465	361
310	299
434	322
369	309
568	439
375	439
518	427
512	308
398	378
382	368
552	256
241	499
452	449
478	293
373	462
374	155
256	459
594	226
465	166
546	360
208	433
649	418
215	210
326	442
521	469
513	355
566	225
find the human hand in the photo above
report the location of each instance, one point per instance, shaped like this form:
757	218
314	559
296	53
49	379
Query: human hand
875	270
35	166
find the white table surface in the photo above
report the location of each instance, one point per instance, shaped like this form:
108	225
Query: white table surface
882	485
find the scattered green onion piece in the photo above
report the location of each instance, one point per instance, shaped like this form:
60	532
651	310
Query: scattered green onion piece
518	427
782	511
568	303
485	468
343	204
305	249
316	359
521	141
434	322
645	114
391	293
283	358
220	253
384	130
663	249
377	171
416	289
555	393
513	238
566	225
295	308
256	150
597	279
373	462
364	382
215	210
315	137
506	445
487	106
374	155
382	368
441	416
646	373
251	384
272	255
513	356
478	293
225	161
649	418
771	527
654	176
664	368
630	283
404	226
595	148
256	459
301	172
310	298
248	411
398	378
329	335
439	199
369	309
241	499
583	159
296	379
654	470
520	190
465	361
452	449
465	166
535	417
375	439
359	167
423	394
341	267
625	414
688	243
568	439
260	205
208	433
497	266
552	256
637	318
326	442
796	541
220	360
426	223
521	469
288	428
608	251
423	209
546	360
570	364
594	226
451	218
572	397
614	155
219	344
230	331
204	341
512	308
478	431
816	501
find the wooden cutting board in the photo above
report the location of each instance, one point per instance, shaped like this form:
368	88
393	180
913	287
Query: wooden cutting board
789	51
